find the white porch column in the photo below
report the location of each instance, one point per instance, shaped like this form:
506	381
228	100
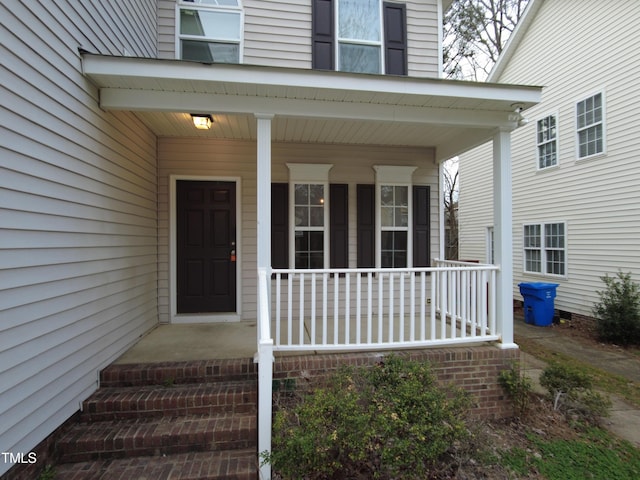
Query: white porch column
503	235
263	236
264	356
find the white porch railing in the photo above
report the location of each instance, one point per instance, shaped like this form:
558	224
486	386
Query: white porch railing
369	309
365	309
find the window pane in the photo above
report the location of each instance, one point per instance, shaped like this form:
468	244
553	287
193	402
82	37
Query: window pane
302	216
359	58
401	194
393	249
359	19
532	261
302	194
531	236
316	194
386	216
309	250
226	3
386	195
211	24
210	52
402	216
589	117
316	216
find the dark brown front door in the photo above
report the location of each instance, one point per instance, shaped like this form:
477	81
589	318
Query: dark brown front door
206	246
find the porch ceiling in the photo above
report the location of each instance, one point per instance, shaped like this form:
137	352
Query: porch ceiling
309	106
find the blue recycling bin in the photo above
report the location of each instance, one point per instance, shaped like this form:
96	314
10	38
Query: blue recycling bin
538	302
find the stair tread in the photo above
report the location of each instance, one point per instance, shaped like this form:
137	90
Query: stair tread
178	372
107	392
232	464
144	436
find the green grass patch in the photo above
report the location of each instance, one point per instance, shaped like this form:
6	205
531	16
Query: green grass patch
602	380
596	454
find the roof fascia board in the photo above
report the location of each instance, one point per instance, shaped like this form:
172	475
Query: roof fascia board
514	39
146	100
96	66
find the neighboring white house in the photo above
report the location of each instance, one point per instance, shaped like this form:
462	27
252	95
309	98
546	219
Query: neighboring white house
329	123
576	163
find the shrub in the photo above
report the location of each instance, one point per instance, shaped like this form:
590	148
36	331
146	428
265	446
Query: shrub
572	393
618	311
518	387
384	422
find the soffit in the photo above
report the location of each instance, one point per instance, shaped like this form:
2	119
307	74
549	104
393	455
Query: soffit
308	105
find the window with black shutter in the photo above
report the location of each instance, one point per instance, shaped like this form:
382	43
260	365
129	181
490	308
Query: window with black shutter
357	39
395	38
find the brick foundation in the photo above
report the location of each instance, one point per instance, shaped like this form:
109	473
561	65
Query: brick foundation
45	454
475	369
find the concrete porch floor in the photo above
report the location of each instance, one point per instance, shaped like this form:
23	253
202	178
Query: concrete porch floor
183	342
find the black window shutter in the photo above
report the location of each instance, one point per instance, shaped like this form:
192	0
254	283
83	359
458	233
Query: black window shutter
280	225
421	227
395	38
366	226
322	35
339	225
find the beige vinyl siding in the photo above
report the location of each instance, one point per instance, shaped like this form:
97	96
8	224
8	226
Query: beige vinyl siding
223	158
78	212
167	29
422	38
277	33
577	49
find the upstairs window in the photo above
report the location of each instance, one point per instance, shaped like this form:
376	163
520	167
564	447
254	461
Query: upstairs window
363	36
359	36
547	142
545	248
210	30
590	126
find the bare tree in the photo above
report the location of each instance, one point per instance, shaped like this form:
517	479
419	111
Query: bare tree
451	208
475	33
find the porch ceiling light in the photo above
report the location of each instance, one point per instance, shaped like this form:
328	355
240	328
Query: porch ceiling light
202	121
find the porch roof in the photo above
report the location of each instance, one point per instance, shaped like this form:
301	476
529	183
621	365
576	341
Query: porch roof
309	105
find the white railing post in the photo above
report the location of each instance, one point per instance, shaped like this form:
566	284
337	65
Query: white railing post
265	373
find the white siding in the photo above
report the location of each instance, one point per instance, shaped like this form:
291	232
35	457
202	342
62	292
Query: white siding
78	212
278	33
352	165
576	49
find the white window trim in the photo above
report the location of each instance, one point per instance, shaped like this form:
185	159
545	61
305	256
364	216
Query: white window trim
199	6
397	176
603	123
543	249
491	245
308	173
338	39
557	139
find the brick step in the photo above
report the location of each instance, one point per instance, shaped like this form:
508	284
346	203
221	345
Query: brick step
172	373
227	465
158	436
112	403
